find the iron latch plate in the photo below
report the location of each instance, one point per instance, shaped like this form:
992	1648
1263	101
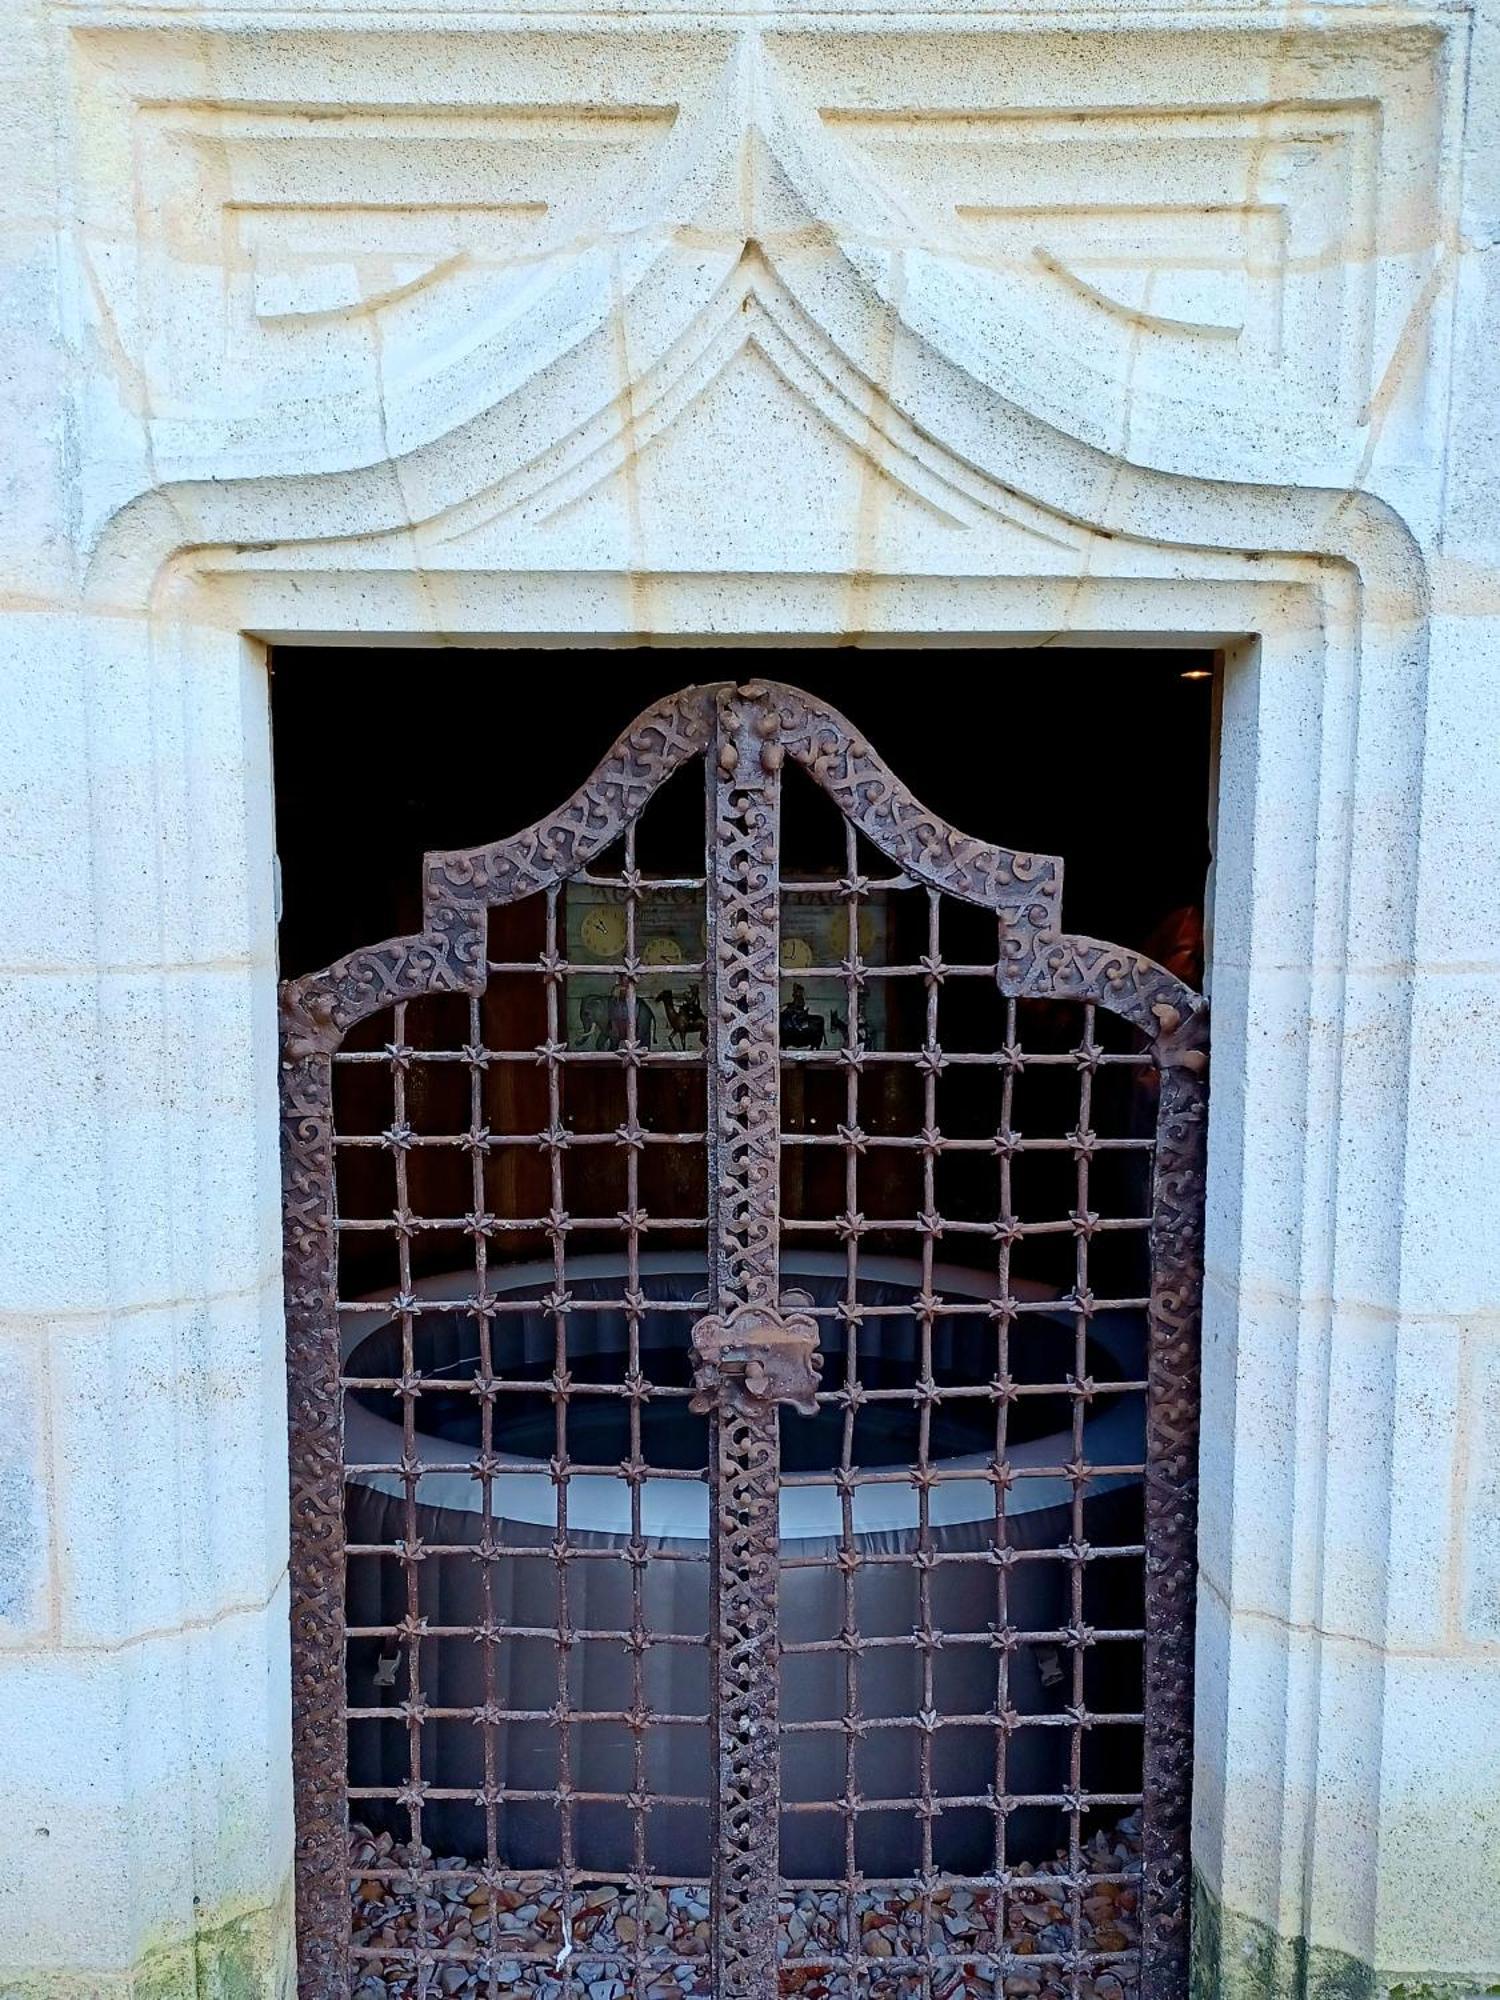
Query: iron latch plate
765	1355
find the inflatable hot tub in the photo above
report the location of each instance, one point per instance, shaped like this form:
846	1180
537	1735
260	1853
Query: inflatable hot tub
518	1588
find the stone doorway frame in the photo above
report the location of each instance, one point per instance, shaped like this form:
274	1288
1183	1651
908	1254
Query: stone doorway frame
1319	738
1350	1617
1317	596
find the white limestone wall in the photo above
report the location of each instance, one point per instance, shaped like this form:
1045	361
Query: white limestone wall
988	325
142	1510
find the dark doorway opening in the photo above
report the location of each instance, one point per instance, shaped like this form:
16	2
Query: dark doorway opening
500	1202
1101	757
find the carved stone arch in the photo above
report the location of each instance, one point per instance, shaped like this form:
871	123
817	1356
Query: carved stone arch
160	543
753	203
907	365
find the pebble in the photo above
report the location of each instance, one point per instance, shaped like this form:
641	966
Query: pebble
971	1934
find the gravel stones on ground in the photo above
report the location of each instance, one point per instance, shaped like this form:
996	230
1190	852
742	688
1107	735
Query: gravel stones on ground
978	1941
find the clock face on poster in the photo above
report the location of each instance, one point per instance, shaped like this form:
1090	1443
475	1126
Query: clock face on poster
602	931
796	954
662	951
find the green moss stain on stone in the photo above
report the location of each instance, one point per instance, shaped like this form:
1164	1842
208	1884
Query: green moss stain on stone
244	1956
1239	1958
240	1958
249	1956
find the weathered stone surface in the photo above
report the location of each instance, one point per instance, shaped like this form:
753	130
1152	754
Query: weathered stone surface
681	321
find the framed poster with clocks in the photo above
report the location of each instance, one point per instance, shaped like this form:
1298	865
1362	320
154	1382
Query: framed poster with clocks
669	942
669	987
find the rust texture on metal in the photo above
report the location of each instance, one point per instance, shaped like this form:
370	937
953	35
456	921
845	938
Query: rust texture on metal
744	1168
925	1133
776	1355
1171	1516
317	1515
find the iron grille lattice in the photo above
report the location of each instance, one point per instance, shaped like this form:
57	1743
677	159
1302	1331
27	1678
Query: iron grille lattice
1032	1109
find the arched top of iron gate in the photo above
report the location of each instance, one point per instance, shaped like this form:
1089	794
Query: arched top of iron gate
1038	958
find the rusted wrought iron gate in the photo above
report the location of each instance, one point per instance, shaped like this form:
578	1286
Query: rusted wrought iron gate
816	1105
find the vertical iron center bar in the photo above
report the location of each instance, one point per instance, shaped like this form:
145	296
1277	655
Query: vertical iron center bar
744	1111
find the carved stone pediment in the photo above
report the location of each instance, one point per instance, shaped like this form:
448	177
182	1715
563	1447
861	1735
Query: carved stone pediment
572	261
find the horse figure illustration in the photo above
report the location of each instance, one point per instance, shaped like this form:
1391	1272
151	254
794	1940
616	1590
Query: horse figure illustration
684	1012
801	1029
